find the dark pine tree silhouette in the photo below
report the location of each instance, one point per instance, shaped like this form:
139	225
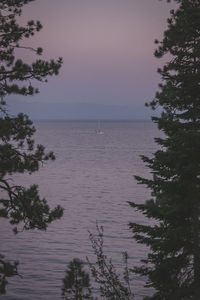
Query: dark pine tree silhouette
18	154
76	284
173	263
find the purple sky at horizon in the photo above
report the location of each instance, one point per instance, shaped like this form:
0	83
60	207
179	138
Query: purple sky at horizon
107	47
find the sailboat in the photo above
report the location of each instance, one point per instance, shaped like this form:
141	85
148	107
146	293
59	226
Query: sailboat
99	131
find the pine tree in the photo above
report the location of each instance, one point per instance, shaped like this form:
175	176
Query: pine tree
22	206
172	266
76	284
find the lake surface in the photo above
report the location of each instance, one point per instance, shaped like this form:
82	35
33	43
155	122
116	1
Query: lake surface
92	178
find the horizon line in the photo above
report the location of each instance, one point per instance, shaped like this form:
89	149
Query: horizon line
94	120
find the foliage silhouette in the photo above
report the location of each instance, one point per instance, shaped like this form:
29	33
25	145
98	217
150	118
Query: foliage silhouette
112	284
173	263
22	206
76	284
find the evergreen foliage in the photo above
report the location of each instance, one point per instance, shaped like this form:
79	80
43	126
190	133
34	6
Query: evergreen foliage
173	263
22	206
111	284
76	284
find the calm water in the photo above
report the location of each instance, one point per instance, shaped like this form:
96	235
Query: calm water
92	179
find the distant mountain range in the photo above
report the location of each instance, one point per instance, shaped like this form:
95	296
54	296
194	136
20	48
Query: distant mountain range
78	111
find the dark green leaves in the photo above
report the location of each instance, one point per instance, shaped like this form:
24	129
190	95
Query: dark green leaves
22	206
173	235
76	284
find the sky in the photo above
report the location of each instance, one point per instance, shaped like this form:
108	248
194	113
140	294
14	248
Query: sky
107	48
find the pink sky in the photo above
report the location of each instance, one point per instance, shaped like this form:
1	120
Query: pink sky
107	47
